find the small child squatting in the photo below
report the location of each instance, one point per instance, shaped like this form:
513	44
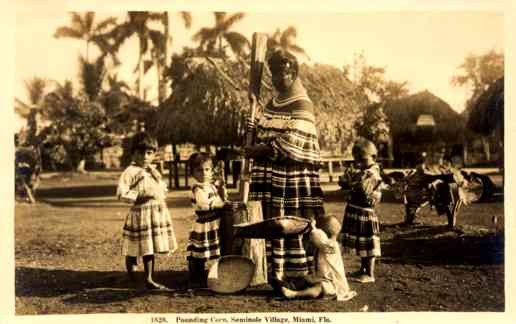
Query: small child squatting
329	279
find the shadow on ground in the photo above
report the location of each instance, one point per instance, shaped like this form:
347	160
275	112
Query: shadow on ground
438	245
90	286
98	287
77	191
98	196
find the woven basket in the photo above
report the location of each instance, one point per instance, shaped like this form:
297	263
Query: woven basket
273	228
230	274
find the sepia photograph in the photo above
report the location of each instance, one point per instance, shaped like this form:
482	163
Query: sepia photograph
247	164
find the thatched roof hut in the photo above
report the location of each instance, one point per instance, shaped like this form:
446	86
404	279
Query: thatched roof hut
408	138
209	102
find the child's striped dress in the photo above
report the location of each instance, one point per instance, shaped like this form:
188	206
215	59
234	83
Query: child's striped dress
204	241
360	232
148	227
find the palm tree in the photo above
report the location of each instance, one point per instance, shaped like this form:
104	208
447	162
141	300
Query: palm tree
286	40
91	77
32	110
212	38
84	28
137	25
161	57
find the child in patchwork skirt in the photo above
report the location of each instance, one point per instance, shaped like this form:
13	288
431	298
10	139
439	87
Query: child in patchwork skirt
148	227
360	227
208	199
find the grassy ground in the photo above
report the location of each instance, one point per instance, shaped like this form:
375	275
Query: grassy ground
68	259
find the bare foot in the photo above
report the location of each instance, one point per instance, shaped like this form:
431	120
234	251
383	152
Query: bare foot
348	296
363	279
151	285
289	294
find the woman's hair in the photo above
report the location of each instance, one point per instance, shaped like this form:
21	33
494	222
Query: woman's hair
281	59
196	160
364	147
143	141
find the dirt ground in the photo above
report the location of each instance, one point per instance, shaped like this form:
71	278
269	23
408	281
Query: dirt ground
68	261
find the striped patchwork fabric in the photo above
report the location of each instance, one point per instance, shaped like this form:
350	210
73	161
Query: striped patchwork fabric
360	232
148	230
289	126
288	182
204	240
287	258
148	227
289	189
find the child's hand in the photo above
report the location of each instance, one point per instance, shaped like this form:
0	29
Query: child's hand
221	190
153	172
218	203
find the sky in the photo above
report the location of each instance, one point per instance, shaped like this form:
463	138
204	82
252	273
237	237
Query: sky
422	47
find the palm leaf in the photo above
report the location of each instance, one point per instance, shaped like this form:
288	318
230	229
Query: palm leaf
77	22
296	49
187	18
288	35
232	20
219	17
237	42
204	33
35	88
91	76
67	32
21	108
111	21
89	18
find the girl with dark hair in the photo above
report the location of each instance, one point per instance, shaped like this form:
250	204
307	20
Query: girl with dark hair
148	227
207	200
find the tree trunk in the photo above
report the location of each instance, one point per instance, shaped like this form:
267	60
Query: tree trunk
88	51
487	151
162	61
140	77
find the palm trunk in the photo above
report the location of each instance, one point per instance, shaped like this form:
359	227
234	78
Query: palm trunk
486	147
88	51
140	77
161	61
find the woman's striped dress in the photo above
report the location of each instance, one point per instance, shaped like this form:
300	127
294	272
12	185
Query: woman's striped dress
287	182
360	233
204	241
148	227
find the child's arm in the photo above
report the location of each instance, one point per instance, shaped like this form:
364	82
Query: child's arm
126	187
206	200
369	187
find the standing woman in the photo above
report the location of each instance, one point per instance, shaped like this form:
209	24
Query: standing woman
285	172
